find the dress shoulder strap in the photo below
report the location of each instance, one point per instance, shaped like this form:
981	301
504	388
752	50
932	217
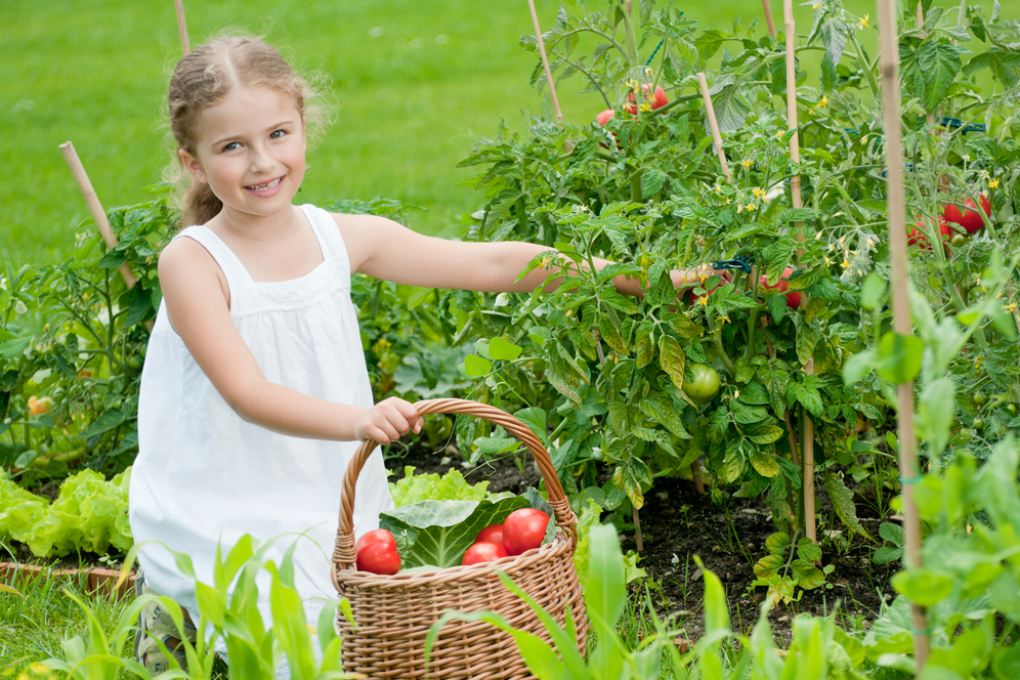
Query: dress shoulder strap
334	250
238	279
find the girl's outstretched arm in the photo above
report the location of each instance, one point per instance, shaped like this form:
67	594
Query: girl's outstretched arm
386	250
198	306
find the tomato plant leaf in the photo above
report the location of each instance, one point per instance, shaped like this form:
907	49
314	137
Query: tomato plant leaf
643	346
769	566
611	334
682	325
672	359
561	385
808	550
662	410
843	503
764	462
808	575
109	419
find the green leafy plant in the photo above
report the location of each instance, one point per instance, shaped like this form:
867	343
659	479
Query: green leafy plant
90	513
227	612
790	565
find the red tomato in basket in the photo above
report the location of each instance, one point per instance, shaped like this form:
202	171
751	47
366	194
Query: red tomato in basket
492	533
524	529
483	551
377	553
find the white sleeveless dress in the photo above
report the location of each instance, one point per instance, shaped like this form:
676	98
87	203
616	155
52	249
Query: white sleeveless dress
204	476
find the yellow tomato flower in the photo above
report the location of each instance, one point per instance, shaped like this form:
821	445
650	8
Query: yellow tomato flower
746	164
646	107
750	207
846	263
994	184
816	5
703	300
648	71
1010	307
811	111
740	208
824	102
864	21
757	192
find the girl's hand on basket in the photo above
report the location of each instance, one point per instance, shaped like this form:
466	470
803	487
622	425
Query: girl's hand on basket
387	421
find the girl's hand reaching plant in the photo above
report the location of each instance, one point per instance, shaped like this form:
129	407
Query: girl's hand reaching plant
387	421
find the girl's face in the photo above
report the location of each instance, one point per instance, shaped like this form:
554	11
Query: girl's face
250	149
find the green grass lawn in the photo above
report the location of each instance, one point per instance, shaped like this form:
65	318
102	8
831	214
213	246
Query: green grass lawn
415	83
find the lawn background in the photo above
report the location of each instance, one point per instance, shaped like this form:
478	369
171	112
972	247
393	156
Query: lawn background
415	80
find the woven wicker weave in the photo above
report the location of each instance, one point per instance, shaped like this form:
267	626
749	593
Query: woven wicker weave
393	613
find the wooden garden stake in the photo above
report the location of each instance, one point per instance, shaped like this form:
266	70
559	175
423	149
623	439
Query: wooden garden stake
768	17
96	208
807	432
545	61
909	471
182	26
716	137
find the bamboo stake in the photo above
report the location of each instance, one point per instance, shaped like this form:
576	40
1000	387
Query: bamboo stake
98	214
95	207
182	26
768	17
889	67
545	61
807	443
716	137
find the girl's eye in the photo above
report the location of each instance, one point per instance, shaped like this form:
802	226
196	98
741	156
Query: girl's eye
230	147
276	134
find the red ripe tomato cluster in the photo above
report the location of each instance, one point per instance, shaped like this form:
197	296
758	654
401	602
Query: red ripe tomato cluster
523	530
656	100
969	218
916	234
792	299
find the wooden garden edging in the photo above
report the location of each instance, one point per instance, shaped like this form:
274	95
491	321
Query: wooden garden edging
99	579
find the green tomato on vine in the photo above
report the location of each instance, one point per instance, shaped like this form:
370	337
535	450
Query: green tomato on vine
703	385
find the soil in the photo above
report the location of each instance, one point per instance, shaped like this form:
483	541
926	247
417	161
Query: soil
678	524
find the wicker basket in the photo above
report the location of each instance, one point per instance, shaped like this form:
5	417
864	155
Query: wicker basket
394	613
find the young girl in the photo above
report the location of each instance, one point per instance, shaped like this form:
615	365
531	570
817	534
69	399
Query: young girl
255	391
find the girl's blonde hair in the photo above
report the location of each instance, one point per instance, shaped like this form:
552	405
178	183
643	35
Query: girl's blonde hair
203	77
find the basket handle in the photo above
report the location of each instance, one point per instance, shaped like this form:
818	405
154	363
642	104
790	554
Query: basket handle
344	556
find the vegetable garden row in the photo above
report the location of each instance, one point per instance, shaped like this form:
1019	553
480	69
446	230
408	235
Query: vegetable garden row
790	378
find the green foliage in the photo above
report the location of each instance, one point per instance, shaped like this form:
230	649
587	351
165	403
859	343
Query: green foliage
819	650
76	333
227	612
89	513
790	564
